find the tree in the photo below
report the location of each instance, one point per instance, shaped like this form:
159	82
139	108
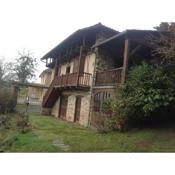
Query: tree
25	66
5	71
166	26
165	48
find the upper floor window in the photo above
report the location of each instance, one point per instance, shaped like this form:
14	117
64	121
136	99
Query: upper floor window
68	70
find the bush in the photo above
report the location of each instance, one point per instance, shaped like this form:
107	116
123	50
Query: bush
147	91
7	102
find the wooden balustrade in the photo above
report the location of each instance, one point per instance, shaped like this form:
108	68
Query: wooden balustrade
109	77
48	91
73	80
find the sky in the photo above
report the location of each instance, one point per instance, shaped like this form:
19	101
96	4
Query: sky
39	25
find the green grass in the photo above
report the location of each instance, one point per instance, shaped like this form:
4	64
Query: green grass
44	131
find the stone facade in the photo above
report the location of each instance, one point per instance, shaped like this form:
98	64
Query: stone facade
46	77
70	113
71	107
55	109
103	62
84	113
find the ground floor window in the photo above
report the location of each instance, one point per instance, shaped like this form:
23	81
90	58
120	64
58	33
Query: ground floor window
99	98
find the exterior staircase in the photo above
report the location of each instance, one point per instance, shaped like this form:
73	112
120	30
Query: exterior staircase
51	96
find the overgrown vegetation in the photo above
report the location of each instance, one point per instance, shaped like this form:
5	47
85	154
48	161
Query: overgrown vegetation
147	94
7	101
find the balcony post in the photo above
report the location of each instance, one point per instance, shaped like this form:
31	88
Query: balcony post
67	76
125	60
79	63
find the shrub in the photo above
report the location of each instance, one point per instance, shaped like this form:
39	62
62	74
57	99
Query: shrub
107	107
7	102
147	91
22	121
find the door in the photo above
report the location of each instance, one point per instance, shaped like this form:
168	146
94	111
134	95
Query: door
63	107
77	109
68	70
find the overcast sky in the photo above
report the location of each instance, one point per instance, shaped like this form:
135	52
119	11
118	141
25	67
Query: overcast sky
39	25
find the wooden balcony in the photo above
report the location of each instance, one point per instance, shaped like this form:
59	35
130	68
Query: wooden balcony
73	80
109	77
78	81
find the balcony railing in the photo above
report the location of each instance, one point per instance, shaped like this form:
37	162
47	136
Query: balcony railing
72	80
109	77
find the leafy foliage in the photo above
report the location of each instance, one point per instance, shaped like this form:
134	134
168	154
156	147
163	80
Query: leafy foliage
7	101
25	66
166	26
5	71
147	90
22	69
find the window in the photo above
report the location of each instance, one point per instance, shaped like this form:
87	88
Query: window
99	98
68	70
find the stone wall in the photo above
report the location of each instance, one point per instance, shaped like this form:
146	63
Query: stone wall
85	102
70	114
55	108
84	112
52	74
46	78
71	108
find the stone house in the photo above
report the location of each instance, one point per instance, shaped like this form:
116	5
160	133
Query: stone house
88	66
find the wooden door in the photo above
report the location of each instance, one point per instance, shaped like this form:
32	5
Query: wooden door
63	107
77	109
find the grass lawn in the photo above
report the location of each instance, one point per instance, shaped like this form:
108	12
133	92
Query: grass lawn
48	134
